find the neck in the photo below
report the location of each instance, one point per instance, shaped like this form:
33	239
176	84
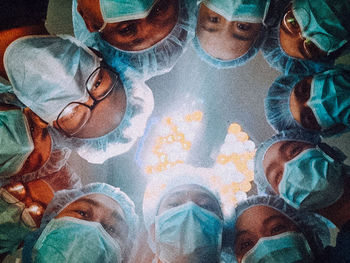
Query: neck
9	35
339	212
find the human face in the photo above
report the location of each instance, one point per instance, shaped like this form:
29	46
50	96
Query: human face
104	210
223	39
292	41
258	222
105	114
301	112
190	193
276	157
140	34
41	139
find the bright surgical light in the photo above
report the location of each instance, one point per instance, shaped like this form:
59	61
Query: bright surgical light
173	141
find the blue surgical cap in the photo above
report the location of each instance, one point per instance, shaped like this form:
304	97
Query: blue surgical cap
65	197
260	180
279	60
144	64
277	108
311	225
140	103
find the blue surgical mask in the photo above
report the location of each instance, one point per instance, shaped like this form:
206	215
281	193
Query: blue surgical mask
188	233
322	22
252	11
15	140
72	240
114	11
330	98
12	228
312	180
288	247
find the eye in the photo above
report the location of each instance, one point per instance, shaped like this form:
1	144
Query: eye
246	245
214	19
82	213
173	204
243	26
128	29
278	229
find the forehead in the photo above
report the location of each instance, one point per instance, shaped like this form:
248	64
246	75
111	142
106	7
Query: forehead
190	191
254	217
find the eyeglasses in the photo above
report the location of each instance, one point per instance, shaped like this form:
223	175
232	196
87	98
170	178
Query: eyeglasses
291	24
17	194
75	115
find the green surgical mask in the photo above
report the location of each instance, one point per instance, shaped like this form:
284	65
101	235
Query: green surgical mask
12	229
330	98
15	140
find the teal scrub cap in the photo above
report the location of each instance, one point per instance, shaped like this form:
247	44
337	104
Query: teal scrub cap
65	197
114	11
15	140
144	64
312	226
324	22
260	180
252	11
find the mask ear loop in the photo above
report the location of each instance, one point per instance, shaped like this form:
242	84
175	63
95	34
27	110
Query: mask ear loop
102	27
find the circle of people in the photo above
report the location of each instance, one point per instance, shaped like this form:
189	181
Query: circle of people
87	93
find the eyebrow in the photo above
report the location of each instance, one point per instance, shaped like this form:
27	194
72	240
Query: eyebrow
240	233
87	200
271	218
118	217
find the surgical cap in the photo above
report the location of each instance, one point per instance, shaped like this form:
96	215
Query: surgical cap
324	22
16	142
299	135
311	225
144	64
7	96
279	60
252	11
114	11
277	108
49	72
65	197
139	107
162	184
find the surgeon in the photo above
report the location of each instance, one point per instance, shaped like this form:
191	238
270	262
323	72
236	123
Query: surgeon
266	229
27	150
308	36
183	217
318	103
22	205
306	173
97	111
145	37
228	32
95	223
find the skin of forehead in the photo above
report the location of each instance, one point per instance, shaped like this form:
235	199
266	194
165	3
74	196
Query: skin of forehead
222	49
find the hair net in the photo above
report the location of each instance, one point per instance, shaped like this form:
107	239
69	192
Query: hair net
139	107
279	60
288	135
144	64
219	63
311	225
49	72
65	197
277	108
162	184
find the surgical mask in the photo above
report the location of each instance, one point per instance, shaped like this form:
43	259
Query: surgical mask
12	228
312	180
48	72
321	22
188	233
114	11
330	98
252	11
287	247
15	140
72	240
